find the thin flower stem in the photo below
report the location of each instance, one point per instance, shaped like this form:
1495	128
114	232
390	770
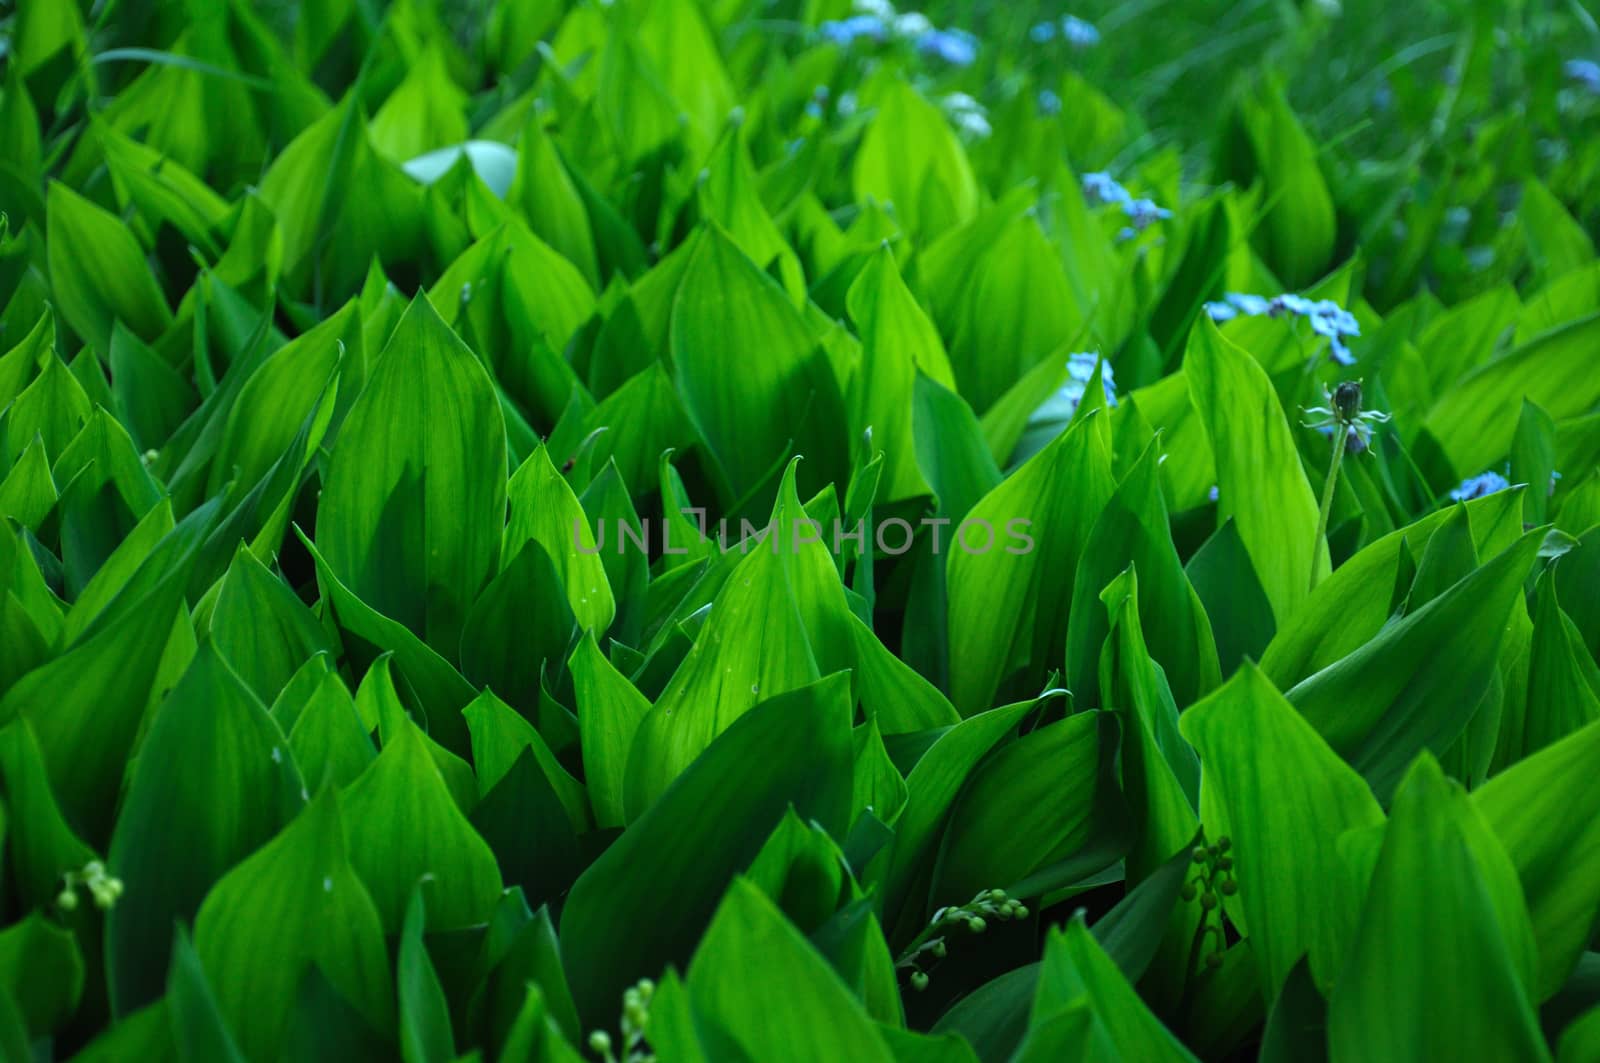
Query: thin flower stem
1341	433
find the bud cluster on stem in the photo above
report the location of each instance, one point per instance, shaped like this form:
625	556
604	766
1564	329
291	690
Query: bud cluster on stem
929	946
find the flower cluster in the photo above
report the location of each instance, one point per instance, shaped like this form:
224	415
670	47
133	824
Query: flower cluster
1101	188
102	886
967	114
1073	30
974	916
1486	483
1213	879
635	1016
1584	73
877	22
1327	317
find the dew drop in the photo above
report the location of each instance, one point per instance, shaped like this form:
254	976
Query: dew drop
327	884
277	755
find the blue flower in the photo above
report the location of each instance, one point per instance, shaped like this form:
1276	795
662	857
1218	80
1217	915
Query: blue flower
1327	317
1214	493
1144	213
1078	33
857	27
1478	486
1585	73
1103	188
955	47
1043	33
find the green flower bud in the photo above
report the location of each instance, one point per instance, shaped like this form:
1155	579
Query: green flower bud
1199	854
1187	892
976	924
1347	399
938	949
600	1043
1224	843
1228	887
67	900
1224	863
919	981
1022	911
1208	900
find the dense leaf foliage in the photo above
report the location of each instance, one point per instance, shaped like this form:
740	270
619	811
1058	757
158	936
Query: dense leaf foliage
697	530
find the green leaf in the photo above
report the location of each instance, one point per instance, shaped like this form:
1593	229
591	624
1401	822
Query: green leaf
261	628
644	902
294	904
42	971
1543	811
1297	233
202	1033
776	624
404	827
1431	973
425	1035
610	710
1282	796
1044	799
120	287
1076	971
1133	529
898	344
910	158
1261	484
415	493
804	1013
212	783
751	412
499	735
1043	514
1404	691
545	510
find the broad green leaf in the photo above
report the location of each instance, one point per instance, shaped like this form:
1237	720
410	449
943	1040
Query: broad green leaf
1133	529
778	622
932	788
910	159
644	902
42	971
544	509
442	690
1540	809
1000	617
424	1013
1260	481
1076	970
404	827
1474	423
294	905
202	1033
610	710
1431	973
212	783
415	493
261	628
1160	771
1281	795
1297	234
807	1014
1048	798
751	412
898	343
499	735
1405	690
120	287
